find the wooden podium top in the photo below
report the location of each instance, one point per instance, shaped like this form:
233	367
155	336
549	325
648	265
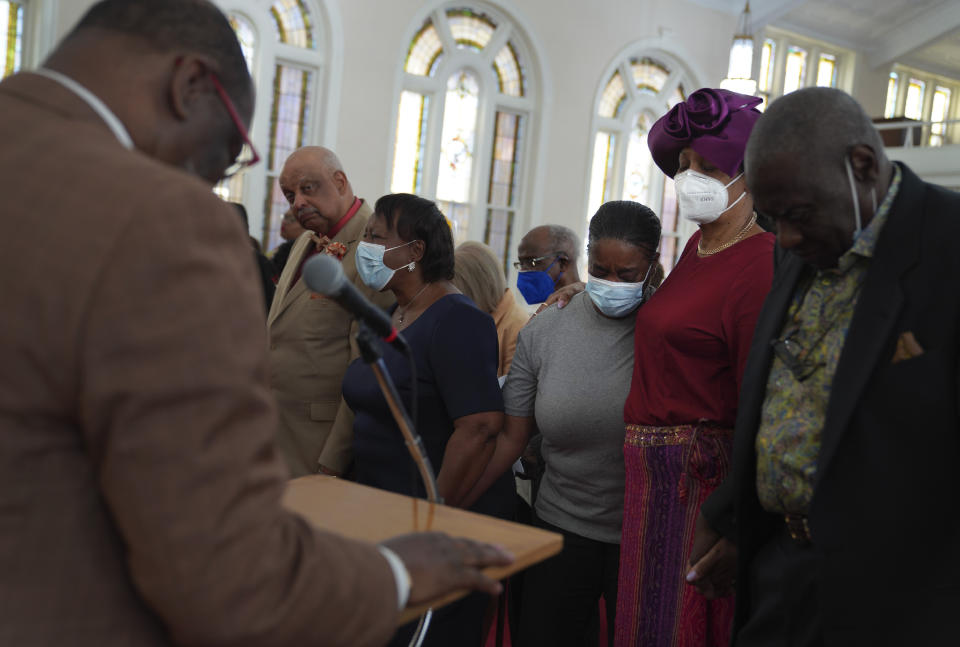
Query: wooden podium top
373	515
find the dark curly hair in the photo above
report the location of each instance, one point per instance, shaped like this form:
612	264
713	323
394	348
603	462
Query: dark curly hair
416	218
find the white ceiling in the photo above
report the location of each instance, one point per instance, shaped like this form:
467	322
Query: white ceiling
923	33
943	55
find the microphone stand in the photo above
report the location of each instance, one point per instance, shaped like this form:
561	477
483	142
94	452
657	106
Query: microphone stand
369	351
366	340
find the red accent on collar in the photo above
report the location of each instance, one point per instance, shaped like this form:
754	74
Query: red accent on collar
354	208
357	203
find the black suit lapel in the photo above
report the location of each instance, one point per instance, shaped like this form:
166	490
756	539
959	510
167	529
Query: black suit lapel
875	314
754	386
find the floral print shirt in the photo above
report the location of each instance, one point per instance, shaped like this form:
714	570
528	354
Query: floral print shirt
804	362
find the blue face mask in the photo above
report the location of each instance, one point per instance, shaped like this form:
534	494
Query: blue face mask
614	298
536	285
370	266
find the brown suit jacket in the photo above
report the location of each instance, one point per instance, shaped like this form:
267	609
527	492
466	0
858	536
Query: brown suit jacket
139	480
311	345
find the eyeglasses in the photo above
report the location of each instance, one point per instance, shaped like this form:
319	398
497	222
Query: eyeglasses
248	154
797	358
794	357
526	264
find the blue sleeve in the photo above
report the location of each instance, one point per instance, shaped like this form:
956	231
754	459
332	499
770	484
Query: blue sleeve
464	357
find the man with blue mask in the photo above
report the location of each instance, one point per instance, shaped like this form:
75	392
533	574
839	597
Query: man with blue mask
547	261
844	479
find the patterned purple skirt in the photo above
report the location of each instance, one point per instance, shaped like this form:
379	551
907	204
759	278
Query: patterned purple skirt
670	471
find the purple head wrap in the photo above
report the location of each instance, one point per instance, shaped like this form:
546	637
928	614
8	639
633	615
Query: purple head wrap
714	123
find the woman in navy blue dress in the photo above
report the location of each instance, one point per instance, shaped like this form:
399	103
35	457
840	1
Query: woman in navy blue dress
407	248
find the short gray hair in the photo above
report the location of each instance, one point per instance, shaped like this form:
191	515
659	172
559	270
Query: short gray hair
817	125
559	239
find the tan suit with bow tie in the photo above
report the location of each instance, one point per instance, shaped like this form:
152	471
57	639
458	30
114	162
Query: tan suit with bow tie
311	345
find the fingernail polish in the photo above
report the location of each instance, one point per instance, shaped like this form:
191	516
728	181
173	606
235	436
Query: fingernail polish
691	576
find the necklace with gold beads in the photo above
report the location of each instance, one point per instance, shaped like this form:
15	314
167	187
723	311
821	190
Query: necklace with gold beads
730	243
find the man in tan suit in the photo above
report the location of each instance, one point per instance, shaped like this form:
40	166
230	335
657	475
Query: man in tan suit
312	338
139	481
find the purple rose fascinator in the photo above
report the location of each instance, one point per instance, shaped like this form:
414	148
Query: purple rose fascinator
715	123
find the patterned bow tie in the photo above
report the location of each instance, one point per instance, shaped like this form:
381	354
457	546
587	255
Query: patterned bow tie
329	247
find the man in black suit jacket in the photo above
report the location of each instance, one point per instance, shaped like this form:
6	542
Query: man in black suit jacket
844	497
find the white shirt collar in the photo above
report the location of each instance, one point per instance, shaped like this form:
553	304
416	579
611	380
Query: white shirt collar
113	122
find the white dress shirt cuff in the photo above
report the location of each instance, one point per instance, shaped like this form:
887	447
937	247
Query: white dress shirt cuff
400	576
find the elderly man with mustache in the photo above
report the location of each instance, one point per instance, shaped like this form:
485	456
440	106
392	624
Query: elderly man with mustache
311	338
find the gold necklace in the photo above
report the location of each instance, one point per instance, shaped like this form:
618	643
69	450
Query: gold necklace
736	239
403	312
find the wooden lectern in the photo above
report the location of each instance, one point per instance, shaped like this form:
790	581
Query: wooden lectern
373	515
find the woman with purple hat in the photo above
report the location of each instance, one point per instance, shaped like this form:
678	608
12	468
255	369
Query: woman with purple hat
691	344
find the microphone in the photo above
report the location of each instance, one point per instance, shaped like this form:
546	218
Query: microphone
324	275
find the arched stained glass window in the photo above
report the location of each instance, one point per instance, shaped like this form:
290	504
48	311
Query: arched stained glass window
424	52
413	114
289	118
279	39
458	143
461	117
291	108
507	67
649	76
622	167
638	169
469	29
292	21
11	36
613	96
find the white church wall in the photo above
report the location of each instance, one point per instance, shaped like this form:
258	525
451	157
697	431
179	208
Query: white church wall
870	86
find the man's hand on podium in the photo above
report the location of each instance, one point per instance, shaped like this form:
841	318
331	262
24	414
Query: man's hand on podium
439	564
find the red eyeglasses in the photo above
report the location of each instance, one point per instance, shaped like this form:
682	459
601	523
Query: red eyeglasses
248	154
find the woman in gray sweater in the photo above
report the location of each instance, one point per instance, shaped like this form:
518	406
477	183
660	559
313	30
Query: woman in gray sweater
569	380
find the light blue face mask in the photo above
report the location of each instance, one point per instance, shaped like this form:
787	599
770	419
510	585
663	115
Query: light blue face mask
614	298
370	266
